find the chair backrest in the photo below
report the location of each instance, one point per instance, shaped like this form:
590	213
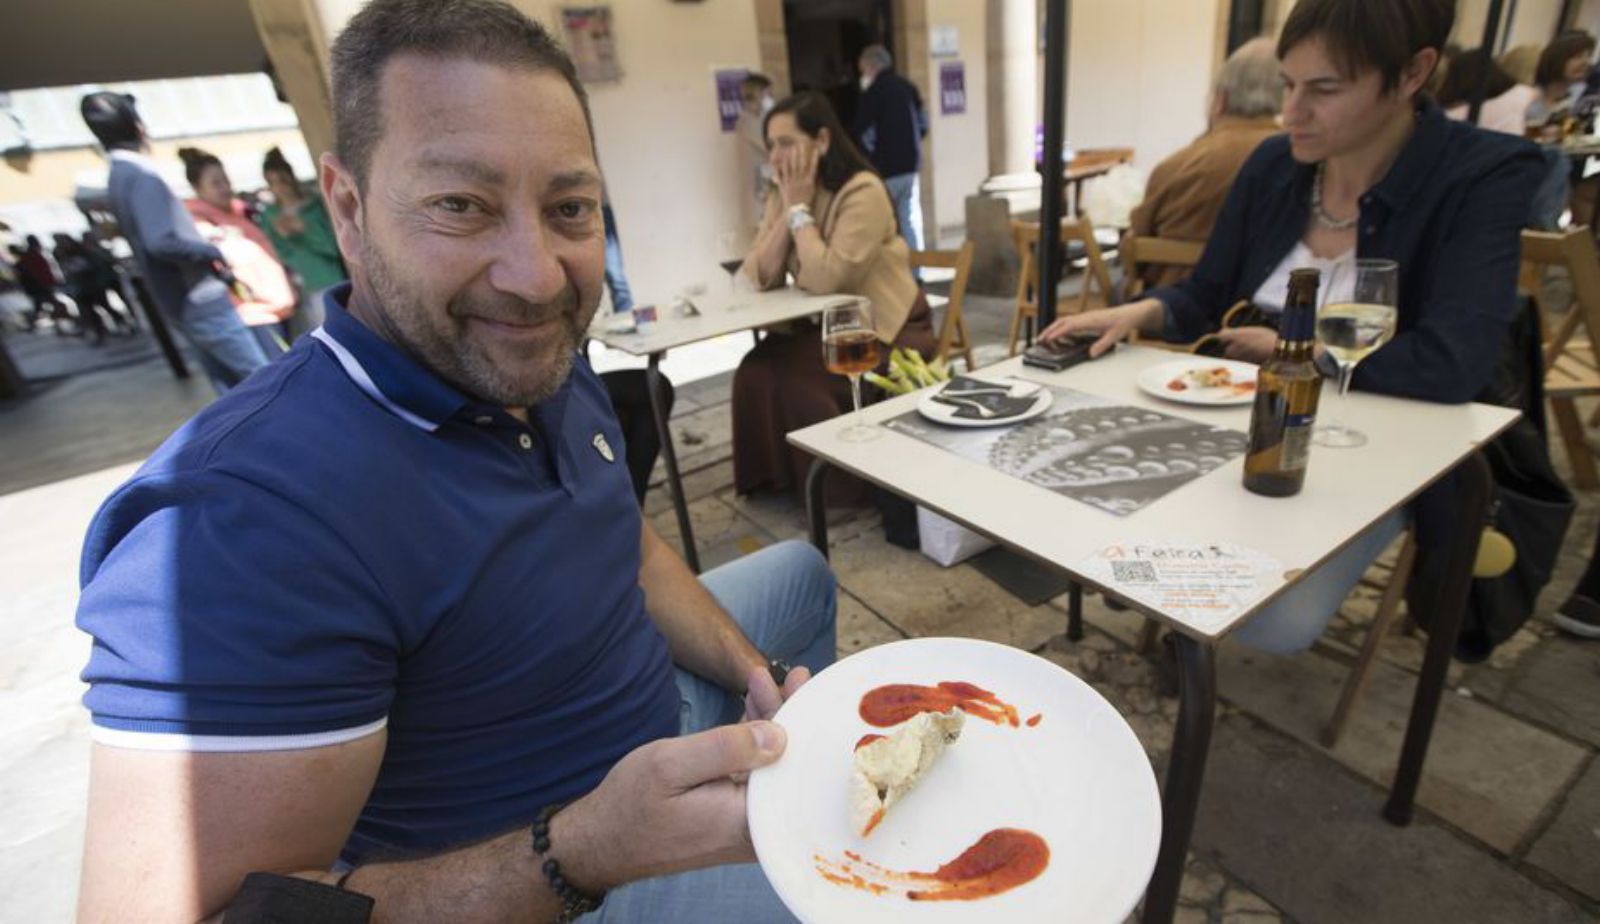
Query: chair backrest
1025	235
961	261
1575	250
1140	252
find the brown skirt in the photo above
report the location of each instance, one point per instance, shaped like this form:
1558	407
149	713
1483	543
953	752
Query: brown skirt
782	386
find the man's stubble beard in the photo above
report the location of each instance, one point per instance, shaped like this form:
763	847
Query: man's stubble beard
449	354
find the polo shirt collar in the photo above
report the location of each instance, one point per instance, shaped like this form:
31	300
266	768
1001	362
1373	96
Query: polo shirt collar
388	376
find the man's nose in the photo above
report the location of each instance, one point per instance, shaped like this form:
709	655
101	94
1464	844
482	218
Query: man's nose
527	266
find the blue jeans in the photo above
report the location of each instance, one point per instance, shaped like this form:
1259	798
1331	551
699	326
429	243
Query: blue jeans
905	193
784	598
1295	620
616	279
228	350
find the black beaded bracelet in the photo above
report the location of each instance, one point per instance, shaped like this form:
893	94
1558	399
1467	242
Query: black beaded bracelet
573	903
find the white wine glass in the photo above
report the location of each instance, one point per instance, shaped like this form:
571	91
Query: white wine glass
850	347
1350	331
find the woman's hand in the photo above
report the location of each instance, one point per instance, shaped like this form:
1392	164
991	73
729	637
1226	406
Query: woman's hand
288	224
1112	324
795	170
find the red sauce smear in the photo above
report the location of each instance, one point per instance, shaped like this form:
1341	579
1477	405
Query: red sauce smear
895	703
1033	720
1177	385
1000	861
866	740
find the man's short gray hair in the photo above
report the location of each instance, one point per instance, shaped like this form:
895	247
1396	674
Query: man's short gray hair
877	56
1250	84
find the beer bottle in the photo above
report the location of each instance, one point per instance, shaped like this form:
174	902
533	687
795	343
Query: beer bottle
1287	388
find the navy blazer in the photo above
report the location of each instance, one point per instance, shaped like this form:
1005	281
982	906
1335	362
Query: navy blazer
1450	210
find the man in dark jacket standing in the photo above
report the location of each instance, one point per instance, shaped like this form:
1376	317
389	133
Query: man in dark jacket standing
890	124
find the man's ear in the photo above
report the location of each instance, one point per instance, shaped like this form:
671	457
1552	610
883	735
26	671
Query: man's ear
343	195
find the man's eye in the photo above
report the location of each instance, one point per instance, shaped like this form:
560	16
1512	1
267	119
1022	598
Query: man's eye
456	205
575	210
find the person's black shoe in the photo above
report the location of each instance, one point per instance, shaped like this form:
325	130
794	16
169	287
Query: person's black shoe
1580	616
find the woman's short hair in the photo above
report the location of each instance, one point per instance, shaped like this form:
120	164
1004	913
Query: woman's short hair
812	113
1552	67
1361	35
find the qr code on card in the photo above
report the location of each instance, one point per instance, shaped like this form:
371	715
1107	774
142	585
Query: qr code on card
1133	572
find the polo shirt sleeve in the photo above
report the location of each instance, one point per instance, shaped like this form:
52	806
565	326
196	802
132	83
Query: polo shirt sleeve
226	617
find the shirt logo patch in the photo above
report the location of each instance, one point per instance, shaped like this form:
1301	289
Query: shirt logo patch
604	448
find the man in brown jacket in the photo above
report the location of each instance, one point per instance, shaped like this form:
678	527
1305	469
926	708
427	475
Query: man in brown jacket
1186	191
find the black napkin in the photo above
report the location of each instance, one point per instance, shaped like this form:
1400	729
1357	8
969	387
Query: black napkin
972	397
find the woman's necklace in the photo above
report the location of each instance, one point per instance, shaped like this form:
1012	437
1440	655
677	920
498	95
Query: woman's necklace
1320	215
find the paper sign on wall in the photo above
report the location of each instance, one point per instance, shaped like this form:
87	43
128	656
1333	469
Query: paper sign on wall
728	101
952	88
944	41
591	43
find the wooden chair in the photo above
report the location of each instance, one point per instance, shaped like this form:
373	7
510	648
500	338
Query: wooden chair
953	336
1570	367
1025	235
1141	252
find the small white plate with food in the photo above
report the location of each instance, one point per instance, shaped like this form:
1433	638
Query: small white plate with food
945	780
1201	380
970	401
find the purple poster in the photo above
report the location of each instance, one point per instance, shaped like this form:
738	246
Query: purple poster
728	102
952	88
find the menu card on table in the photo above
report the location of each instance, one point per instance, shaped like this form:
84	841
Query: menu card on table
1113	457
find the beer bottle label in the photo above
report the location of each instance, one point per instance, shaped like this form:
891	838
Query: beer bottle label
1296	442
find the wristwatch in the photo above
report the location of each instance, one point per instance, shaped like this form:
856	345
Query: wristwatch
800	217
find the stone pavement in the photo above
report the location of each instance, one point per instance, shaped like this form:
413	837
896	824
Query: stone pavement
1508	826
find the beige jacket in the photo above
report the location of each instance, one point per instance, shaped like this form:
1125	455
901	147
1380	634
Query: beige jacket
865	253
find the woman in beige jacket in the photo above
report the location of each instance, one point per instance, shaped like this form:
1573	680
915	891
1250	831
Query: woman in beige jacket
830	225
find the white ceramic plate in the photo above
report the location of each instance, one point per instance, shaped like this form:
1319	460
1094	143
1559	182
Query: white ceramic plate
1079	779
946	413
1157	380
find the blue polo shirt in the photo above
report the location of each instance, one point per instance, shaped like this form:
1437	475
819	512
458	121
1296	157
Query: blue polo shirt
345	543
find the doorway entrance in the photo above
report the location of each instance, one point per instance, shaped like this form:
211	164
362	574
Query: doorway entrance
825	37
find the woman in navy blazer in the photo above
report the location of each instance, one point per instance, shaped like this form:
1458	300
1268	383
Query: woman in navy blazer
1368	167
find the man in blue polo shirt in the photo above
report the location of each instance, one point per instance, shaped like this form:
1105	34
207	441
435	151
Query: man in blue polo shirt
392	600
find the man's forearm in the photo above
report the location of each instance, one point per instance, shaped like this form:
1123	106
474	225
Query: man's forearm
495	880
702	637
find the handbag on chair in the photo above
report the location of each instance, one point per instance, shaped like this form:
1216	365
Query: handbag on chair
1531	507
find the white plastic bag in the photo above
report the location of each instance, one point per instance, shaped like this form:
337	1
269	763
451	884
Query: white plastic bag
945	541
1110	199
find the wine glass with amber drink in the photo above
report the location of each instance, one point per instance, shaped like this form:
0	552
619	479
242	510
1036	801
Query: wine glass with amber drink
850	347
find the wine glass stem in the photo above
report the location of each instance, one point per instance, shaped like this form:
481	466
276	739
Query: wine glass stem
1346	371
855	393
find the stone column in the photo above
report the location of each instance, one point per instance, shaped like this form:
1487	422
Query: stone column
1013	62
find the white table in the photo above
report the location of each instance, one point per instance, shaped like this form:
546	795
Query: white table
1411	445
718	314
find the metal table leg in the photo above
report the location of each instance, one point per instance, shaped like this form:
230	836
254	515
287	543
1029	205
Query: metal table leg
653	385
816	504
1444	626
1075	612
1191	743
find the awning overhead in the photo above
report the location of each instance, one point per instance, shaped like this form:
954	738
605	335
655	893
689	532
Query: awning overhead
52	43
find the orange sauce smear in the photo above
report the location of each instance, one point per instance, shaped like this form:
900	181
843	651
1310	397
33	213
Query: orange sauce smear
1000	861
866	740
1033	720
897	702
